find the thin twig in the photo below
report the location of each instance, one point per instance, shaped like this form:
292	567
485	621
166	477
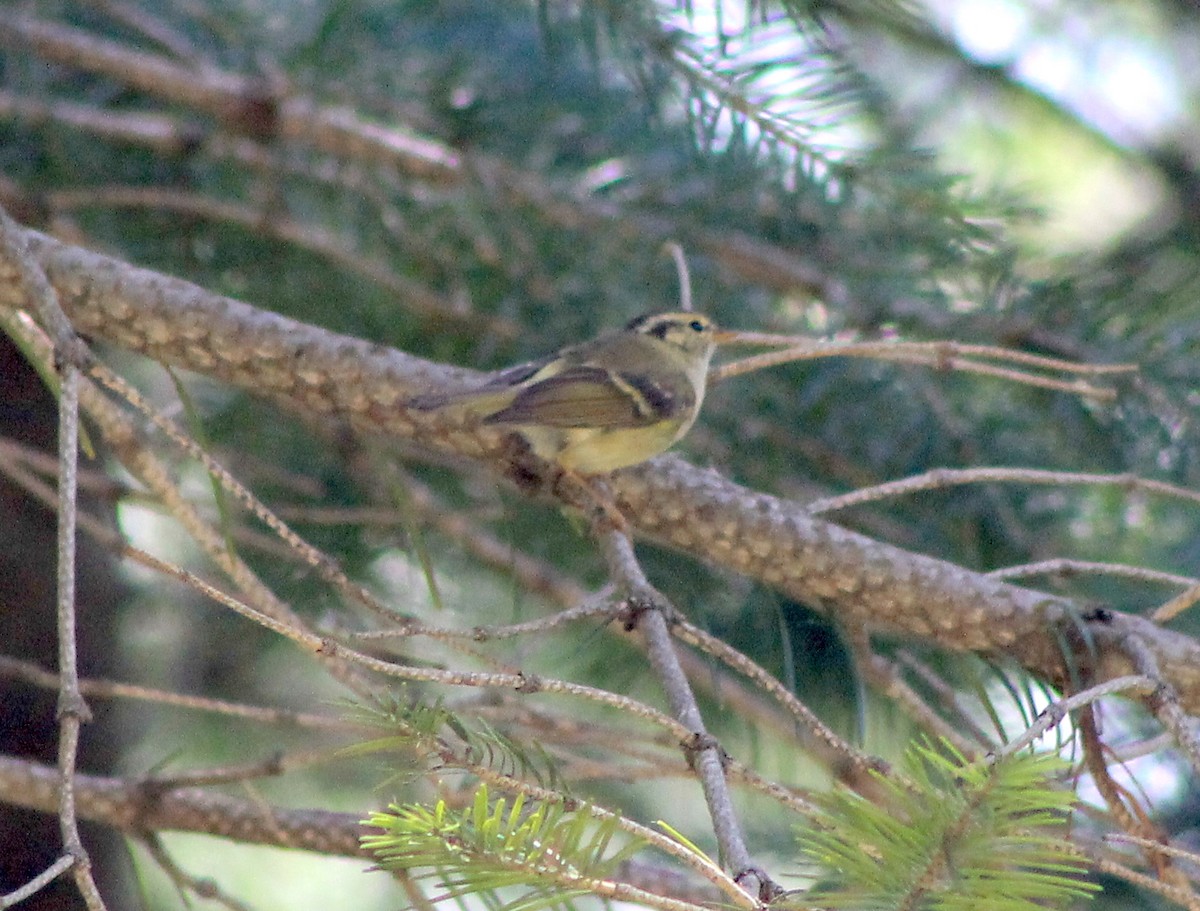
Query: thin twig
1164	701
698	863
1054	713
64	863
111	689
271	767
1177	605
72	709
1064	566
70	354
1184	897
1122	838
685	275
597	605
963	719
706	754
886	677
325	566
836	749
949	477
943	355
144	465
184	882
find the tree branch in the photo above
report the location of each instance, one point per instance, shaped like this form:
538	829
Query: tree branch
864	583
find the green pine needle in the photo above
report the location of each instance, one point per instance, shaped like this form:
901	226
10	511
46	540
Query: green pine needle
550	854
958	836
433	731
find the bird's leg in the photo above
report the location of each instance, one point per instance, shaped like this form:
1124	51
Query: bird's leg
588	493
531	474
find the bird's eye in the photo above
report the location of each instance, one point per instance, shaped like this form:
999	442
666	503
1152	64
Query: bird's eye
696	325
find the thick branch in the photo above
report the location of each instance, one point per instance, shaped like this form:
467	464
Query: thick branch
131	807
864	583
135	808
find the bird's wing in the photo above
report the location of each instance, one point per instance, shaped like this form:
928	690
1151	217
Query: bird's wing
587	396
482	398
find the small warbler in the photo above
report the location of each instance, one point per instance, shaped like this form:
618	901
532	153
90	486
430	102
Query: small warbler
613	401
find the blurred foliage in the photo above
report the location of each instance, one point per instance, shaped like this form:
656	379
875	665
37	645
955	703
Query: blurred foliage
603	109
838	135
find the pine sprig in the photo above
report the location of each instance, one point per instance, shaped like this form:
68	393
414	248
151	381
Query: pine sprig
442	738
956	836
548	852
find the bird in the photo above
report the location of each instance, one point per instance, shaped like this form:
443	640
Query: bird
591	408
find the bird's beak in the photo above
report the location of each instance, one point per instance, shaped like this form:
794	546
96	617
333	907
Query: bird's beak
769	339
725	337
